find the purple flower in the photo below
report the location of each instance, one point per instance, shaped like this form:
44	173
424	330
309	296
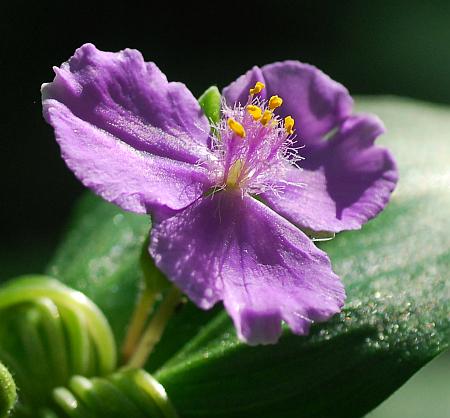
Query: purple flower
228	207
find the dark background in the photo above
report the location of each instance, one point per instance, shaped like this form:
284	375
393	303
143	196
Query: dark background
372	47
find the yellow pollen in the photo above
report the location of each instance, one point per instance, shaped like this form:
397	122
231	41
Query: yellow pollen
289	124
236	127
255	111
258	87
234	173
274	102
266	117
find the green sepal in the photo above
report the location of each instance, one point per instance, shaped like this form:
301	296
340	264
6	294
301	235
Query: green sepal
131	393
48	332
210	103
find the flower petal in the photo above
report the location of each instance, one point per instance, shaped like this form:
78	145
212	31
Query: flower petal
238	90
120	94
236	249
134	180
126	132
315	101
351	184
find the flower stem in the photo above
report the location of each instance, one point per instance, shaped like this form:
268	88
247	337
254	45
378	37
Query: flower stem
155	329
140	315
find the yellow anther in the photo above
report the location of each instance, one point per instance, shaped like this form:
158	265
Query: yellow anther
289	124
258	87
255	111
236	127
274	102
266	117
234	173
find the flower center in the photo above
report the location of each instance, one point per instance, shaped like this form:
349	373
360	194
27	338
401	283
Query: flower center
252	144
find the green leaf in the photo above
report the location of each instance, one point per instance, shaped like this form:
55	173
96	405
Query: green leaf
396	319
8	393
210	103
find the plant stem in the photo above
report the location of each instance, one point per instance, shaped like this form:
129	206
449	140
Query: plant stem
155	329
141	312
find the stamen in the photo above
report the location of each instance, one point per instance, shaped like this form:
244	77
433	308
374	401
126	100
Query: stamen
254	164
289	124
274	102
266	117
257	89
255	111
236	127
234	173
